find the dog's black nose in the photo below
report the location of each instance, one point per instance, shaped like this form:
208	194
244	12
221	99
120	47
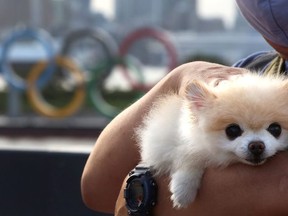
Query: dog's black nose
256	147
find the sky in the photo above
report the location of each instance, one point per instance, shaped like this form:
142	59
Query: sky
225	9
105	6
207	8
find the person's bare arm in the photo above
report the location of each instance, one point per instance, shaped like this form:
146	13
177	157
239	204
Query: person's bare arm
115	152
236	190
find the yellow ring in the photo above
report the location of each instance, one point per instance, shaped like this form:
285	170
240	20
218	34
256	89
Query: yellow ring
43	107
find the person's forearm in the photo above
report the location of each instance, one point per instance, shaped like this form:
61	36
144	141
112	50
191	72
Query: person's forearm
237	190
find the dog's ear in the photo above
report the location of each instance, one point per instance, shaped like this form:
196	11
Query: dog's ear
199	94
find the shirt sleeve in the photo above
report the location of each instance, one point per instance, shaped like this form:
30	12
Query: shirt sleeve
245	61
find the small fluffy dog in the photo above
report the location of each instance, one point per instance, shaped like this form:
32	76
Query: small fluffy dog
243	119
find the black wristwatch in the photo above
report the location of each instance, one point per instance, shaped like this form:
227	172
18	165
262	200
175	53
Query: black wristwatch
140	192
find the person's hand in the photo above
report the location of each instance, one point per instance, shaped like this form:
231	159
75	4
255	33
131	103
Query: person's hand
212	74
236	190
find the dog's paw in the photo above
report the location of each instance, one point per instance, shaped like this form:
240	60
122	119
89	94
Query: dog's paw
184	187
184	198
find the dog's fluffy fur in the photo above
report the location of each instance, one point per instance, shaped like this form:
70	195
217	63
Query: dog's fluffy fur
214	126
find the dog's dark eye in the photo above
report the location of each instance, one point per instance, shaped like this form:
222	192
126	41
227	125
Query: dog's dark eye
275	129
233	131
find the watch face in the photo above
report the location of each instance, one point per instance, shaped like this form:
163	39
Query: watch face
136	193
140	192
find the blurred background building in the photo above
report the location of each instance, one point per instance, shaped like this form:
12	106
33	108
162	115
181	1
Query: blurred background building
169	14
56	14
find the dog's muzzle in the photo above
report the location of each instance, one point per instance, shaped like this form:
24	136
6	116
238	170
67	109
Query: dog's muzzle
256	152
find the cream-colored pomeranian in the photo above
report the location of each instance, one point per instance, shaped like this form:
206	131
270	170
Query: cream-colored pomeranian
243	119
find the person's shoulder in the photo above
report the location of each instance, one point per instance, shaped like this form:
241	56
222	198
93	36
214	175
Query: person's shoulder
257	61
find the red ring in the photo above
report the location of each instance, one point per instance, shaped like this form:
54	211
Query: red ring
160	36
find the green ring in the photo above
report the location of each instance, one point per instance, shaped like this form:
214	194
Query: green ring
96	83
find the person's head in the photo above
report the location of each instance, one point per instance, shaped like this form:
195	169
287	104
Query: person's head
269	18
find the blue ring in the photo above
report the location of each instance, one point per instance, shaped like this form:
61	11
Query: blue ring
39	35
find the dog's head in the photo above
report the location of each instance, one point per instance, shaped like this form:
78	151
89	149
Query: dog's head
242	119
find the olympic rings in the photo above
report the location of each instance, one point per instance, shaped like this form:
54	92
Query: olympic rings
39	35
38	102
96	84
98	67
158	35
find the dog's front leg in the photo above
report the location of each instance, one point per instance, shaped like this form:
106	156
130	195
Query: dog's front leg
184	186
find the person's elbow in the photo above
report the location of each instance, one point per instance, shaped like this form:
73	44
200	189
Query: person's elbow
95	196
88	195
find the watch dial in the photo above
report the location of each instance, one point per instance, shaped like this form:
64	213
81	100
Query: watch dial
137	194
